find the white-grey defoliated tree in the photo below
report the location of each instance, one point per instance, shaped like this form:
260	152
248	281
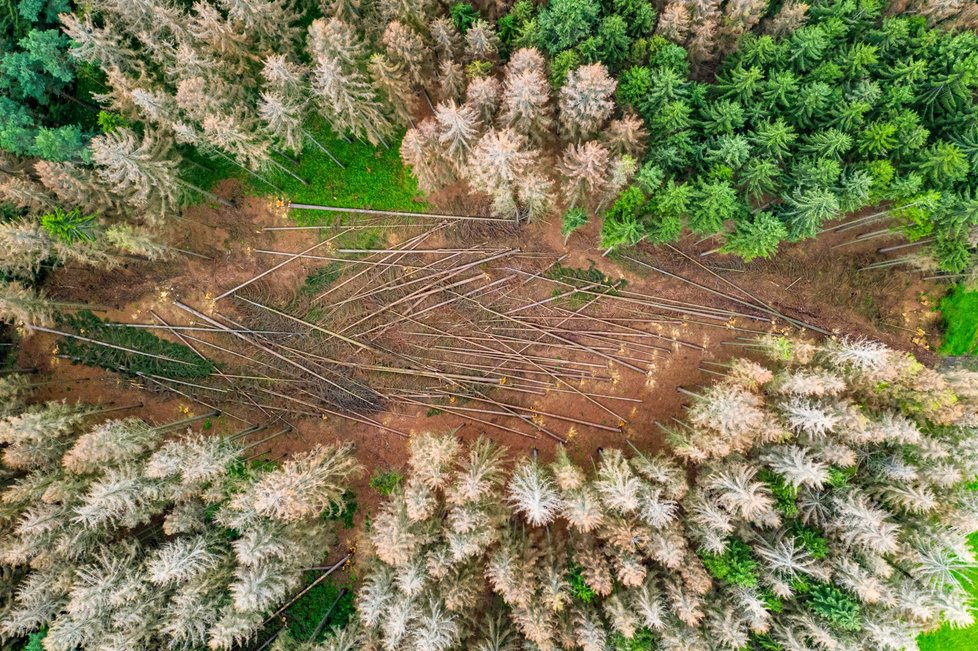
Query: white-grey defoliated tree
483	94
96	574
498	161
584	171
393	86
144	170
405	48
421	150
283	118
816	488
525	104
586	101
458	129
342	91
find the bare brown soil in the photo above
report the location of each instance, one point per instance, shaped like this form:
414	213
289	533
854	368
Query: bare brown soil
811	282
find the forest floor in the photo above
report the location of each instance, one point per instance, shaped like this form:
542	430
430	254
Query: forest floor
817	282
810	281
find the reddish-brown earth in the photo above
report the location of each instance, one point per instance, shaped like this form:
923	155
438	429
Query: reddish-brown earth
810	281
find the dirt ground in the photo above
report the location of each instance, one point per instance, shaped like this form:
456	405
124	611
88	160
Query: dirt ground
817	282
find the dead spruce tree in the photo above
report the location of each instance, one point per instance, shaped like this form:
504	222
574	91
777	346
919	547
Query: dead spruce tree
525	100
497	140
586	101
120	538
825	505
503	165
342	90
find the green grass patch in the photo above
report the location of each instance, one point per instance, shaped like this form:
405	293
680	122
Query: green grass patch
956	639
584	277
320	279
387	482
305	614
372	178
163	358
345	515
960	311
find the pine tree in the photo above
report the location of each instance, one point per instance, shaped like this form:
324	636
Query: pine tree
457	131
143	171
584	172
392	85
283	76
343	94
526	59
703	41
526	104
585	101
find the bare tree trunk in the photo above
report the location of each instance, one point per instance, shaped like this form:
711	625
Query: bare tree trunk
323	149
